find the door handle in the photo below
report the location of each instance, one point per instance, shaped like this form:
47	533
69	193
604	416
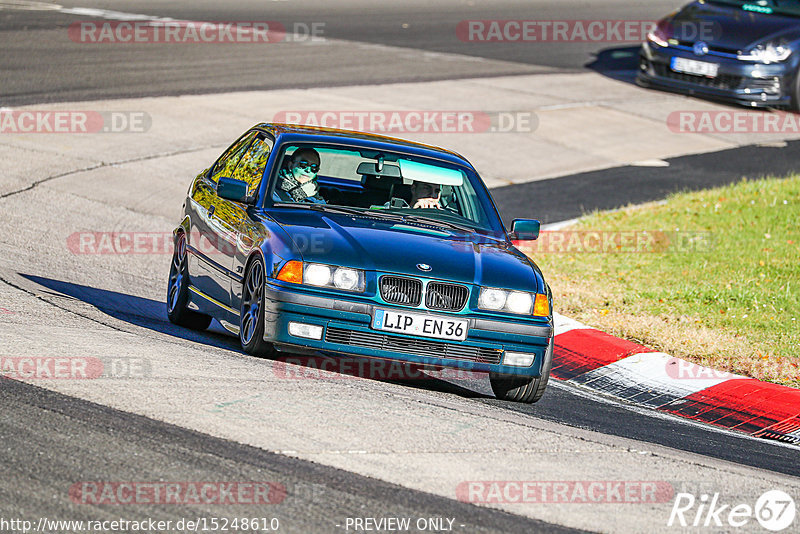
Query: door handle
211	210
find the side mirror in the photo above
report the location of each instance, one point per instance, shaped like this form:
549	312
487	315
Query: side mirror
524	229
230	189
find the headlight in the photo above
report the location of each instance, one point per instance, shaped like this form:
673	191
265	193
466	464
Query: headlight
317	274
768	53
322	275
517	302
492	299
661	34
344	278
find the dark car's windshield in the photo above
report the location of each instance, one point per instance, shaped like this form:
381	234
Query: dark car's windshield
384	185
782	7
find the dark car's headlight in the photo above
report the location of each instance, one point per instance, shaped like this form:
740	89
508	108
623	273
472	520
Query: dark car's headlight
323	275
662	33
517	302
772	52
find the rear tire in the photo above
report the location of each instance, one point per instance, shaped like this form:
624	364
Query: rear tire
251	317
523	388
178	291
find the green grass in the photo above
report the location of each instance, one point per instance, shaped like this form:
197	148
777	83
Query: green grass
722	288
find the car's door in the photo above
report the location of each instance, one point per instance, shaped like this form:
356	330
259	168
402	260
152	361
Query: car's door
241	231
210	239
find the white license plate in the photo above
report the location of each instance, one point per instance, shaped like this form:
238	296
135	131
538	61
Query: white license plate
690	66
420	325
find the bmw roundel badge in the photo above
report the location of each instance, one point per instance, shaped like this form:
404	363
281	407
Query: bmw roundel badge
700	48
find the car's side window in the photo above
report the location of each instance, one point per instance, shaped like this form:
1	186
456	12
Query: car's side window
227	163
251	165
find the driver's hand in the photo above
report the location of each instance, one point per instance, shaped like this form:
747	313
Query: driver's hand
428	203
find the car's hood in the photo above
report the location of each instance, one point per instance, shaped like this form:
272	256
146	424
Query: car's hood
729	26
392	247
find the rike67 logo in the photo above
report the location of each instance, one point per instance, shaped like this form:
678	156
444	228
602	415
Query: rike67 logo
774	510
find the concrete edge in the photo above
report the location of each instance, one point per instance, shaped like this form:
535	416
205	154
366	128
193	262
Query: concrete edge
634	373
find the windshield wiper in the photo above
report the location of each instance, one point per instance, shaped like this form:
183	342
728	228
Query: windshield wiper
431	220
361	212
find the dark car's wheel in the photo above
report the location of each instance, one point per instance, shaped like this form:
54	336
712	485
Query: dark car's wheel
251	318
178	291
795	105
523	388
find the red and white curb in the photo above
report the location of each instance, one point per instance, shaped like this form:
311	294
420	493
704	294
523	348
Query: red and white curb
637	374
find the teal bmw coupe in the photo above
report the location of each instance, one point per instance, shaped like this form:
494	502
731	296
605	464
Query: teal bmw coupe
339	243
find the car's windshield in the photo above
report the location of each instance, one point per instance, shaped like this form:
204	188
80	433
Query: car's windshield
383	185
782	7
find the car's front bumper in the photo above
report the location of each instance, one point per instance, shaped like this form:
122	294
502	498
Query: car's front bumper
347	331
744	82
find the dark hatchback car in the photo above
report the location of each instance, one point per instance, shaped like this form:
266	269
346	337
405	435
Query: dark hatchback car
336	243
733	50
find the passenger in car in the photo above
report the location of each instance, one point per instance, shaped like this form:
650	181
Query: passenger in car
297	182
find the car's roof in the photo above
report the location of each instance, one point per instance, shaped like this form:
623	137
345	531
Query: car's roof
297	132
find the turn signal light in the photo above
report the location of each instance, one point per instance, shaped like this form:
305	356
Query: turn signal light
541	306
292	271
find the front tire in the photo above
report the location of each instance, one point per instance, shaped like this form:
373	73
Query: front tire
795	105
178	291
523	388
251	317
